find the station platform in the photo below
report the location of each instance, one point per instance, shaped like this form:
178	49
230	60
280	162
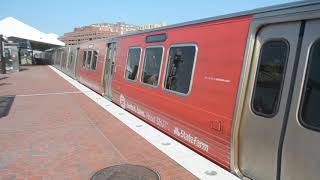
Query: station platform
53	128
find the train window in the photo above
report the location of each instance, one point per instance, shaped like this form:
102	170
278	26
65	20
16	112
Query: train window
133	63
84	58
309	111
152	64
180	67
269	78
89	57
94	60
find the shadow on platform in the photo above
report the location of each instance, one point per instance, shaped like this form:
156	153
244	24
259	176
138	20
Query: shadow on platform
3	78
23	69
3	84
5	105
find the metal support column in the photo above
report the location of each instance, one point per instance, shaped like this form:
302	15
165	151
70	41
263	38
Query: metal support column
2	59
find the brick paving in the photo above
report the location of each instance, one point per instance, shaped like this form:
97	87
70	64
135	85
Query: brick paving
54	132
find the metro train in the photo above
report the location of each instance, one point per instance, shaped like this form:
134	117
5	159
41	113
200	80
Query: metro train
240	89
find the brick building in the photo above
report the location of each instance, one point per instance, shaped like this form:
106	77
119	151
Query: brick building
102	31
86	33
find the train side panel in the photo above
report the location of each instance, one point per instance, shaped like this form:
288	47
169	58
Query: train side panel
91	78
202	118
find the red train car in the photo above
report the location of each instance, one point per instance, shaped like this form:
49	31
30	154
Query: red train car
185	85
241	89
90	64
224	86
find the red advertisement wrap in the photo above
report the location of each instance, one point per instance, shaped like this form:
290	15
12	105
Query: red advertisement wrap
202	118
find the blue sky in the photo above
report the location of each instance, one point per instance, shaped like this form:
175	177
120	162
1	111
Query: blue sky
59	16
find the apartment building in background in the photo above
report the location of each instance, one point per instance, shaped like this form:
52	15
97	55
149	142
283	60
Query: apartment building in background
103	31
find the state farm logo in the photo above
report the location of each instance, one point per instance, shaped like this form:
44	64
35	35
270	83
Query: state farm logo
191	139
122	101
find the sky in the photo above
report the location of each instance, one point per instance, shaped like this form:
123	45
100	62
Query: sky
60	16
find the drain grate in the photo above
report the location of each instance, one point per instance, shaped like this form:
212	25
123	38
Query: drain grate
126	172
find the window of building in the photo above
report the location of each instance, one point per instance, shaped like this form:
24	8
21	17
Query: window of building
133	63
152	65
94	60
270	75
84	58
89	57
180	67
309	111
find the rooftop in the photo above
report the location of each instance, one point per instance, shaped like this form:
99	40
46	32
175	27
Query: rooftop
11	27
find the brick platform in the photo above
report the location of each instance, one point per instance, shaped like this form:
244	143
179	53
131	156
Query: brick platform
55	132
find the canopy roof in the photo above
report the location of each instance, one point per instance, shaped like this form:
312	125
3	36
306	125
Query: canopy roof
11	27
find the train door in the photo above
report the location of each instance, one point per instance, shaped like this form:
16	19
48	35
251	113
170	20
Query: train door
76	61
70	62
61	59
266	99
65	59
57	59
109	68
301	147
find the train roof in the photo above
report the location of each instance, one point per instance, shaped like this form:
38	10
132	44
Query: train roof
238	14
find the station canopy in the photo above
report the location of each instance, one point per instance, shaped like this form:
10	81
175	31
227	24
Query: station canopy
17	30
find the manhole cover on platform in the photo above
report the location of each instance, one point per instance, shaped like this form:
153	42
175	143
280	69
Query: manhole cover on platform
126	172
